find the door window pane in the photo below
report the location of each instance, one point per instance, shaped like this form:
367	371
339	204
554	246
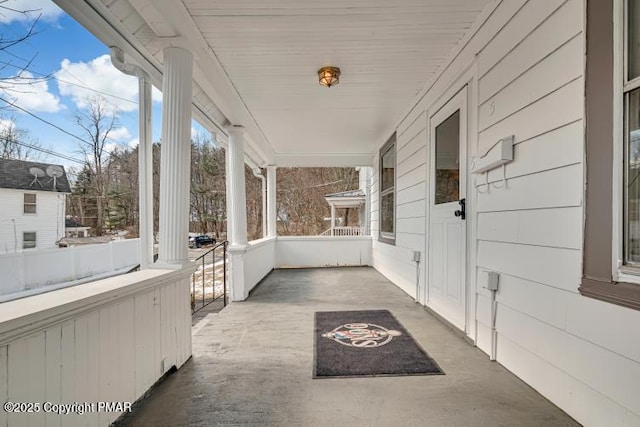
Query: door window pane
447	174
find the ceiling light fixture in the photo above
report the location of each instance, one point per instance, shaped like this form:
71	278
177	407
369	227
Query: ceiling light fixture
329	76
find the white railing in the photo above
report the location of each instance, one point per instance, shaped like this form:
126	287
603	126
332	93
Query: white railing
343	231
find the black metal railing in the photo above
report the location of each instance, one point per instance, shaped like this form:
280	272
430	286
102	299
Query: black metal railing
206	286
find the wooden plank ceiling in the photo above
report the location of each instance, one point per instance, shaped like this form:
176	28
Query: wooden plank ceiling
270	52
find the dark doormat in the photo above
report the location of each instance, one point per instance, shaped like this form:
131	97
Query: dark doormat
366	343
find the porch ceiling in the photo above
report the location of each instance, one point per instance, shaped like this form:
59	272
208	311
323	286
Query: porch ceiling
256	64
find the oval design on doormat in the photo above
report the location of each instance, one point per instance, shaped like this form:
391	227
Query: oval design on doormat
362	335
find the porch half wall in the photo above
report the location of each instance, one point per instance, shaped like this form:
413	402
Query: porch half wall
253	263
526	60
323	251
108	341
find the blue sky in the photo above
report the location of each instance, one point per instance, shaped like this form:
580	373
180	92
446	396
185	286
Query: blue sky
75	66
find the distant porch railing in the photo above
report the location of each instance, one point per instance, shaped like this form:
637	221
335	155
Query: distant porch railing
343	231
209	281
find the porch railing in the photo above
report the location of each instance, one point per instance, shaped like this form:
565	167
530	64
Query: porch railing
343	231
209	282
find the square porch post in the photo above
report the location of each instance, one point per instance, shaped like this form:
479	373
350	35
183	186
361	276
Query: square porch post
333	219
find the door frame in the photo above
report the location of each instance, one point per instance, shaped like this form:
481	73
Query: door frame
466	79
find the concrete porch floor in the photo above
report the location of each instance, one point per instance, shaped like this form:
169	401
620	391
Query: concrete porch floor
252	365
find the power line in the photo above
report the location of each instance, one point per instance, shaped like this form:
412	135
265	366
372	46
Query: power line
85	86
13	104
44	150
46	77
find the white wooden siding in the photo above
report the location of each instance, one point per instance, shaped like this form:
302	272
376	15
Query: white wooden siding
112	352
396	263
530	84
47	222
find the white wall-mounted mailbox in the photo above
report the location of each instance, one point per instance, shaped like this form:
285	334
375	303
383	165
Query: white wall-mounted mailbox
498	155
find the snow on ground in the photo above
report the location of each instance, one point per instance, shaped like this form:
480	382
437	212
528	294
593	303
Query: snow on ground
208	282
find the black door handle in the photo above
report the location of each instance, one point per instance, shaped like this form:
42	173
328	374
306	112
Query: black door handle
462	212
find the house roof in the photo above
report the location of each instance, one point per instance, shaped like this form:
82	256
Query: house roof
346	199
350	193
33	176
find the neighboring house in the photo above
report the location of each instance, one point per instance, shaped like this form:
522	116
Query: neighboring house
353	199
33	205
72	228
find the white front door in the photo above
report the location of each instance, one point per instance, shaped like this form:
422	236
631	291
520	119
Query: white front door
446	291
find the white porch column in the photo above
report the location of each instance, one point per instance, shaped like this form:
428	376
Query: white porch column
175	160
237	190
333	219
365	186
145	155
272	224
237	213
145	174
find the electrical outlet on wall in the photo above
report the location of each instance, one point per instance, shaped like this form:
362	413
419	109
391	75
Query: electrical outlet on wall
489	279
492	280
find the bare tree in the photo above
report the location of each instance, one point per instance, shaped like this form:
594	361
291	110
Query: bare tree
300	202
18	80
253	188
97	122
16	143
208	198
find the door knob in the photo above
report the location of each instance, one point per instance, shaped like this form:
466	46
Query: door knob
462	212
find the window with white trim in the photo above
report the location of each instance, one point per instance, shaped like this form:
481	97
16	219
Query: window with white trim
29	203
631	111
29	240
388	191
611	247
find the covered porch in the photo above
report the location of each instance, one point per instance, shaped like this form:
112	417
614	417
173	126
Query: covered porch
252	365
487	234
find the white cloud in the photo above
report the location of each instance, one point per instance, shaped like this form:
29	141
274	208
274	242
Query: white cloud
6	125
28	10
111	147
81	80
31	94
134	143
118	134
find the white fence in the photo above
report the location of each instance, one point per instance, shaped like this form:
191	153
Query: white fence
28	272
343	231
